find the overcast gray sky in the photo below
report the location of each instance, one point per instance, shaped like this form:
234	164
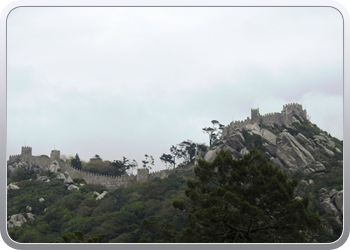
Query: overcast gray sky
133	81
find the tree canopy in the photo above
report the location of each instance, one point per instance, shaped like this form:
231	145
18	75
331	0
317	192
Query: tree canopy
245	200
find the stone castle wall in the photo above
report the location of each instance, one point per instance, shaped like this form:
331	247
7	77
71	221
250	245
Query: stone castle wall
285	117
109	181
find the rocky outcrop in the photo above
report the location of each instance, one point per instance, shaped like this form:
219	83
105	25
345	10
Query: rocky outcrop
12	186
291	153
234	140
30	216
72	187
100	196
54	167
315	168
211	154
14	166
67	180
42	178
16	220
331	202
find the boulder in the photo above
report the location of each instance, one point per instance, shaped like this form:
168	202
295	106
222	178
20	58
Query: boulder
12	186
211	154
234	140
101	195
42	178
329	205
291	153
30	216
338	200
54	167
264	133
28	209
311	182
41	199
65	177
338	150
316	167
244	151
72	187
16	220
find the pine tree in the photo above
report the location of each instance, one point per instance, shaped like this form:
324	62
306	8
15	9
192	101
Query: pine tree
245	200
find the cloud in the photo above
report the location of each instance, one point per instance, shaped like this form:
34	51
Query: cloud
130	81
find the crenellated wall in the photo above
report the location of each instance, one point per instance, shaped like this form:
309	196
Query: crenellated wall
283	117
109	181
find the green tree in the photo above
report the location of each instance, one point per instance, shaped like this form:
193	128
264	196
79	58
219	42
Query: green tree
189	150
167	159
176	152
244	200
214	132
148	161
75	162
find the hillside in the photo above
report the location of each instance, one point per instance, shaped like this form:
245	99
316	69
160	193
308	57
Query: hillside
47	201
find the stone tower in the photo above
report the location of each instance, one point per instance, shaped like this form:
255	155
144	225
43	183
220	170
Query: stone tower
55	154
255	115
26	151
142	174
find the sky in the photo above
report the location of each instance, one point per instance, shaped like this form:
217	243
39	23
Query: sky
133	81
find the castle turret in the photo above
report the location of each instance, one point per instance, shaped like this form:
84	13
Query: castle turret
255	115
55	154
142	174
26	151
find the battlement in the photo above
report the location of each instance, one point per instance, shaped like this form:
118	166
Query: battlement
26	151
142	174
96	174
291	105
269	114
55	154
111	182
14	158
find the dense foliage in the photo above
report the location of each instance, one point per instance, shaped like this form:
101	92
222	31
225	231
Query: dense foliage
117	216
243	201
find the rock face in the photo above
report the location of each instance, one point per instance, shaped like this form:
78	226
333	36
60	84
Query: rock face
315	168
284	150
291	153
331	202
